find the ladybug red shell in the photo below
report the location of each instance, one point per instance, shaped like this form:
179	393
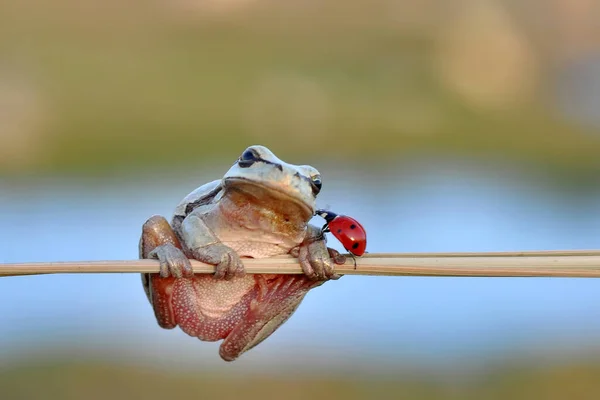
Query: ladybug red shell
347	230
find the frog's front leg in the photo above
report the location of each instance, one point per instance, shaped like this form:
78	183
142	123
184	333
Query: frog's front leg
204	246
315	257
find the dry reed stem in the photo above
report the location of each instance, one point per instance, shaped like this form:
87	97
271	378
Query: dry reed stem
579	263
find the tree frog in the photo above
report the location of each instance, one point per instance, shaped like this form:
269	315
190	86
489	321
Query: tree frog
260	208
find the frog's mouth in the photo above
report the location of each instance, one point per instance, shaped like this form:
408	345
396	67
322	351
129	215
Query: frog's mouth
270	194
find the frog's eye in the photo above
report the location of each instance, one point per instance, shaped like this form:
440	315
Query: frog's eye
248	158
316	184
249	155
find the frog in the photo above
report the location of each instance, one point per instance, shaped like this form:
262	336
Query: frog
260	208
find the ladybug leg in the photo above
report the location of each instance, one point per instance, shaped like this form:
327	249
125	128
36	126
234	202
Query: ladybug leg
324	230
353	259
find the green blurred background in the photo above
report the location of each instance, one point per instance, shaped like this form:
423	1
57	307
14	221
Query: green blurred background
96	85
98	95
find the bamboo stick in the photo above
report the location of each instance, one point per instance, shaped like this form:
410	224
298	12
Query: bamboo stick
578	263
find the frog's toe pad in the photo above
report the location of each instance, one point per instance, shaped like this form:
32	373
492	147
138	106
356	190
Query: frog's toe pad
230	266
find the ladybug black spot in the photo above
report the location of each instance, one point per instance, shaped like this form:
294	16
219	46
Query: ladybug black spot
355	246
352	226
339	231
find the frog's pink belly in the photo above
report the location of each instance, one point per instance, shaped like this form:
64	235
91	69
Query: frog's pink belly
209	309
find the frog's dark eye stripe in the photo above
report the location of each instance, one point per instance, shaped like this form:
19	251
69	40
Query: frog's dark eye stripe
206	199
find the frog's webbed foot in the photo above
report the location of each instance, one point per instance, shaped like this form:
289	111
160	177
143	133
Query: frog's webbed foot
276	300
228	263
172	261
315	257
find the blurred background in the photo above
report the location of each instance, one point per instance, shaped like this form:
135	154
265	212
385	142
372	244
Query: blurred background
441	126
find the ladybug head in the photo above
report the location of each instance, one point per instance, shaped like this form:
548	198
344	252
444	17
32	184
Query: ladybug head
327	215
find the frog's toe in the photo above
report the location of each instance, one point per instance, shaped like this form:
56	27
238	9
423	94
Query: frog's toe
326	265
295	252
320	260
226	260
172	261
307	268
336	256
230	266
239	270
315	261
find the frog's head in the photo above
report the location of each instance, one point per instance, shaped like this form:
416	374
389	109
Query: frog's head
260	175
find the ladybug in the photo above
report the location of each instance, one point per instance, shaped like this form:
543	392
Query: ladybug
347	230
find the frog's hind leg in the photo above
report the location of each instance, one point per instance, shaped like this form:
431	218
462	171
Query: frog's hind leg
158	241
278	296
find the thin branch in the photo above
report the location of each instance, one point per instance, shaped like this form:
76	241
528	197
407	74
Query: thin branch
580	263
